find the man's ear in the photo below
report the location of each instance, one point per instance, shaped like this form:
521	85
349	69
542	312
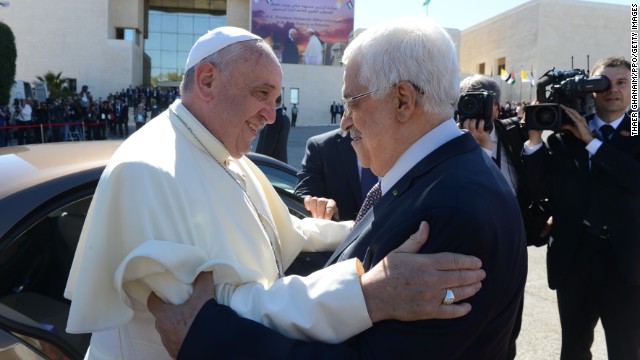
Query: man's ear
205	78
407	98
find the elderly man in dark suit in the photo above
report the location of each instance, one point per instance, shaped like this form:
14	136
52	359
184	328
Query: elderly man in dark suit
591	175
290	54
399	115
273	137
330	182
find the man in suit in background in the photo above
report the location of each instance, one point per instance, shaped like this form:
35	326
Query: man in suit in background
330	181
274	137
591	175
122	118
290	53
400	120
333	109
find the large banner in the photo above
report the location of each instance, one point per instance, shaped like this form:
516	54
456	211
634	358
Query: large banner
312	32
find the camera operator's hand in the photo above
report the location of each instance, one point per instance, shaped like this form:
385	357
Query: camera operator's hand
476	127
579	129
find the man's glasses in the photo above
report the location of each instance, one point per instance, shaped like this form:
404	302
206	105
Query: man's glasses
347	102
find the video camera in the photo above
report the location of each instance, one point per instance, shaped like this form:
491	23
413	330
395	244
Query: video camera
476	105
571	88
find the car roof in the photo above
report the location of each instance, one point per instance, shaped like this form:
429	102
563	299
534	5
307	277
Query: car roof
31	175
22	167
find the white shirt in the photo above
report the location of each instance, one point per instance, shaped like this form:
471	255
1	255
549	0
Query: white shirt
164	211
432	140
506	167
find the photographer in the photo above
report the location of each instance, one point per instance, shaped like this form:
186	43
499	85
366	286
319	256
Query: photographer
591	176
502	140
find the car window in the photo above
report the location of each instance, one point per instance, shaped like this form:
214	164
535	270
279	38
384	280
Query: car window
278	177
35	266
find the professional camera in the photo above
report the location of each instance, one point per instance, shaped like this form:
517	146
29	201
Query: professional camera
571	88
476	105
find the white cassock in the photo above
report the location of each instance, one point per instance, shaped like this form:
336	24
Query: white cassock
313	52
166	210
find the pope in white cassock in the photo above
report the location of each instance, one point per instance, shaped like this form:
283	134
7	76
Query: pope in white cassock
175	200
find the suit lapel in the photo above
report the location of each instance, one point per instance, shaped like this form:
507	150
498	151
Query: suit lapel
343	145
454	147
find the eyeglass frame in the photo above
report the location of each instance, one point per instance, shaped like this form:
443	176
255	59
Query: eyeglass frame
346	101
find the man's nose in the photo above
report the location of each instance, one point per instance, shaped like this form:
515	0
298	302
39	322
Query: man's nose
346	122
269	115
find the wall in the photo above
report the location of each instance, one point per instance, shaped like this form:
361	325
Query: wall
72	37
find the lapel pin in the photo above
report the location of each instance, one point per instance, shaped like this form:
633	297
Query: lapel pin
395	192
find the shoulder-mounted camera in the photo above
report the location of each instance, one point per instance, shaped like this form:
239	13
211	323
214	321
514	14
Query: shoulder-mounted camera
571	88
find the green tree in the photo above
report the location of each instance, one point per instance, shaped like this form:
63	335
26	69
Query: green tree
8	56
56	84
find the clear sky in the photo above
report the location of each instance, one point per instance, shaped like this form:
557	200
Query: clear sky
459	14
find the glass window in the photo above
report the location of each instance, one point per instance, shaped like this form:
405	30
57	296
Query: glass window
169	23
185	24
294	96
155	20
153	42
200	25
171	36
182	59
169	60
185	42
169	42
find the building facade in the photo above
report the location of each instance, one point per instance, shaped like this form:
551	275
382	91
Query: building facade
112	44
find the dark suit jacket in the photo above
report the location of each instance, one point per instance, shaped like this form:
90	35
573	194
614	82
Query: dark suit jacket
273	137
330	170
290	52
608	195
470	209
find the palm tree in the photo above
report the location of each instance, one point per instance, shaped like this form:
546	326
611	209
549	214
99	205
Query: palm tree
56	84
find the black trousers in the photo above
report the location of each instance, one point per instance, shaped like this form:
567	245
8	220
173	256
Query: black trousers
594	289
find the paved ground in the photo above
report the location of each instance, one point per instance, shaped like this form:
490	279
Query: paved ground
540	335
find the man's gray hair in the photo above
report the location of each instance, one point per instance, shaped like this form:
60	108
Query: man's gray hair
415	50
292	30
226	59
479	82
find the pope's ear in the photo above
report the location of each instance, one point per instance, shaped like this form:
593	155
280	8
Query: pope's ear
205	77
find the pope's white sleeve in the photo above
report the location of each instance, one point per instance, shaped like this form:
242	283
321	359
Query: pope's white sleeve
327	305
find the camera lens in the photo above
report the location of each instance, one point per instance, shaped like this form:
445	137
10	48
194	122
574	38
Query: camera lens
468	105
545	116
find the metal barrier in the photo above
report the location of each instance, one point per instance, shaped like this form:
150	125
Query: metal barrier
8	131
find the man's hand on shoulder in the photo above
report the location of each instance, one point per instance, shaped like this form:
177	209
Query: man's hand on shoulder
321	208
408	286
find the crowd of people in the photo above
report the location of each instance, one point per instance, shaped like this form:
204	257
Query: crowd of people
81	116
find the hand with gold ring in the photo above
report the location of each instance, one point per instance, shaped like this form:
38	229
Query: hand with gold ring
321	208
